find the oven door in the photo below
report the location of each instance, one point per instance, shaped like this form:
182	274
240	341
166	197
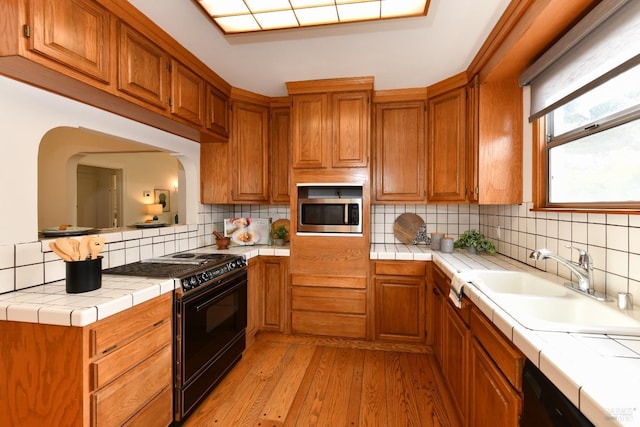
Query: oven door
210	338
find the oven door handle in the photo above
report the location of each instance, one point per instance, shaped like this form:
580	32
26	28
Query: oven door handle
213	300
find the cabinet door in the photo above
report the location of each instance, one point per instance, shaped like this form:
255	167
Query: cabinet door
350	127
254	298
280	157
217	116
400	309
446	147
309	118
399	159
274	285
215	173
473	105
143	68
187	94
492	400
455	355
250	152
438	323
73	32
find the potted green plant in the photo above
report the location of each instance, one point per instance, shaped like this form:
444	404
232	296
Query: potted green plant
279	234
474	241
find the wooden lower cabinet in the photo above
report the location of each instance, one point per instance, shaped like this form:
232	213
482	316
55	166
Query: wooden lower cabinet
455	357
117	371
481	367
493	401
437	321
273	302
399	301
268	280
495	373
329	306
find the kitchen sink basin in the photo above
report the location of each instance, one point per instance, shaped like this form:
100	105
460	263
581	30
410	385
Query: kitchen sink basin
521	283
542	302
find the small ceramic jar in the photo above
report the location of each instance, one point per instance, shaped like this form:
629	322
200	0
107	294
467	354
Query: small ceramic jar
435	241
446	245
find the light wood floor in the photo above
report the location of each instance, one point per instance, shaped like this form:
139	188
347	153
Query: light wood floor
293	383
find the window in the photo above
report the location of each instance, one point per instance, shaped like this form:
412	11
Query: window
593	146
585	98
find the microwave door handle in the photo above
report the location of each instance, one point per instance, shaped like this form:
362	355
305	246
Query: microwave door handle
346	213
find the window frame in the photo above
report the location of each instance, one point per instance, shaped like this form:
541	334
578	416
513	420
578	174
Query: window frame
541	146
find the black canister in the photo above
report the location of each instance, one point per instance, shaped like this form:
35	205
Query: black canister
84	276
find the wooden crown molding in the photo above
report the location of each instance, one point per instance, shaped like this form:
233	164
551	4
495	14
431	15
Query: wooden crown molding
330	85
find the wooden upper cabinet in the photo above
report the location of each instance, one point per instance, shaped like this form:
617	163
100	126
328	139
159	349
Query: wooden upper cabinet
473	102
309	117
187	93
143	68
217	115
249	152
399	158
499	141
280	157
350	124
446	147
75	33
330	123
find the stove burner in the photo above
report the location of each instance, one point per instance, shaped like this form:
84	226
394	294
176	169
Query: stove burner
210	256
185	255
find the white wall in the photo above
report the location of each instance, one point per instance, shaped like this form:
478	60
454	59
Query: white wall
28	113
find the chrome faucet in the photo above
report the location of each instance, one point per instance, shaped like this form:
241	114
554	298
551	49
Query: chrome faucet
583	269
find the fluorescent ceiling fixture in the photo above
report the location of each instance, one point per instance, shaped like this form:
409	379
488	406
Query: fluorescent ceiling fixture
242	16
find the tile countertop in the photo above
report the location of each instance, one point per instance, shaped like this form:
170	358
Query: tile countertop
51	304
599	373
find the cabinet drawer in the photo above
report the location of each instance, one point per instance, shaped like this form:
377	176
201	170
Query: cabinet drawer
158	413
508	359
120	328
122	359
120	400
441	280
400	268
330	324
355	282
328	299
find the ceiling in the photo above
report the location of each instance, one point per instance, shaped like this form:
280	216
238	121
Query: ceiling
398	53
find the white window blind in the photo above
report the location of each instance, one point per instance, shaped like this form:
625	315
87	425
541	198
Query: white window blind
601	45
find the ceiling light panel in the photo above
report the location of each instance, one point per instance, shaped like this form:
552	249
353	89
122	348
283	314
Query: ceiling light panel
317	15
363	11
278	19
241	16
257	6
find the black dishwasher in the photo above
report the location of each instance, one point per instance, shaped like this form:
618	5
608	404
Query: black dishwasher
545	405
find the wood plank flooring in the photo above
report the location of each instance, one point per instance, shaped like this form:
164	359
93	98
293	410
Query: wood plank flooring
298	383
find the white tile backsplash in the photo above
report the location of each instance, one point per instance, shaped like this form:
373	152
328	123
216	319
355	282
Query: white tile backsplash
7	256
29	275
610	239
29	253
7	280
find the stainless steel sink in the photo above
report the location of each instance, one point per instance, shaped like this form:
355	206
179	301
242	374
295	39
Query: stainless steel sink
542	302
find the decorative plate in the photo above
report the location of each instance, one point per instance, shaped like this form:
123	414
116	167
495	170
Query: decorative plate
149	224
70	231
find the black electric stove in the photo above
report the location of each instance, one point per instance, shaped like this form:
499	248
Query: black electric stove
192	269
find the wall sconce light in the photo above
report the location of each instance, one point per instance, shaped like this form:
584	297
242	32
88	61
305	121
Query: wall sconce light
175	185
155	210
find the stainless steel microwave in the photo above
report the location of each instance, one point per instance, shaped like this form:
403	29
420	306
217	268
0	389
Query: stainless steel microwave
330	209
